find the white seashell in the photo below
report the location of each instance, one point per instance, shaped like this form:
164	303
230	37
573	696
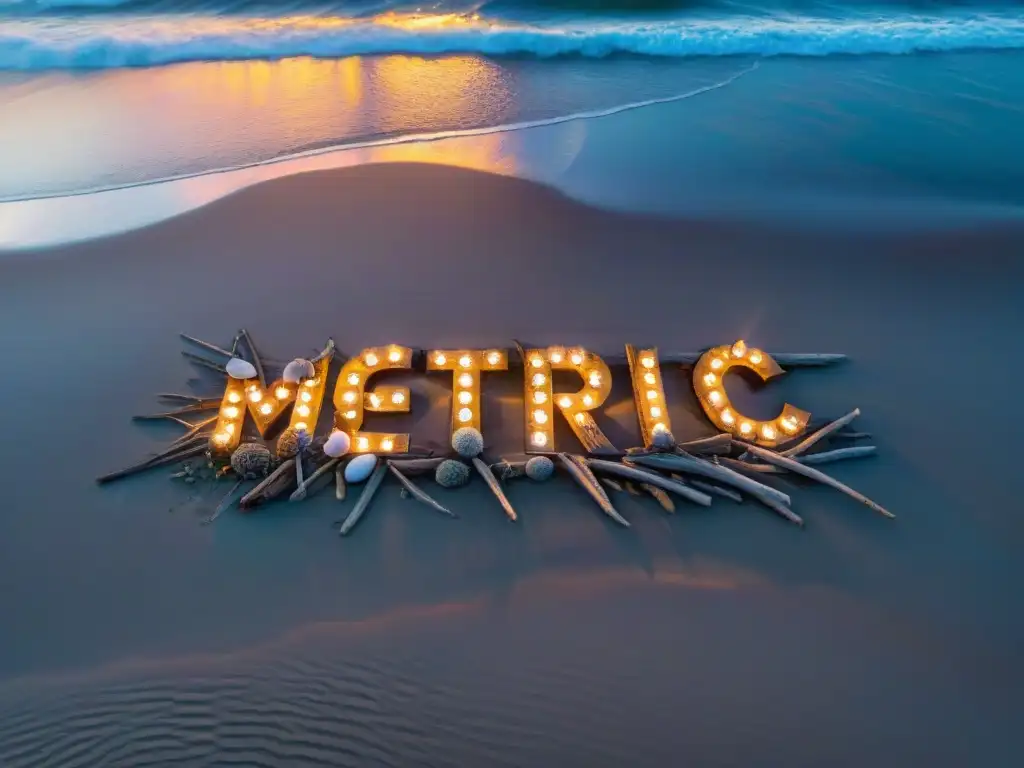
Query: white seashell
238	368
360	468
337	444
297	370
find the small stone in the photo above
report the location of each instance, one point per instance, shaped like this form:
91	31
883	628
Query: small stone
250	460
451	474
662	440
238	368
297	370
360	468
468	442
337	444
540	468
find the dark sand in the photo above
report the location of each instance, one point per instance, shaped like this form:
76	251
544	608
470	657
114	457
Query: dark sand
135	636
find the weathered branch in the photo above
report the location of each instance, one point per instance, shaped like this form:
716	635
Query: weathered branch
720	444
196	431
340	488
416	492
485	472
592	488
207	345
363	502
715	490
301	491
662	497
328	350
822	433
161	459
643	476
690	465
202	361
227	501
271	486
256	362
417	466
199	408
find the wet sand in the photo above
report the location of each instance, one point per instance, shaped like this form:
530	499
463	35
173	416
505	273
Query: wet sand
134	635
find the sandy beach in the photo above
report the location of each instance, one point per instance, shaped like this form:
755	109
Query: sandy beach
136	636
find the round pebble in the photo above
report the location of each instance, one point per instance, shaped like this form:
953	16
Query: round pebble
360	468
337	444
468	442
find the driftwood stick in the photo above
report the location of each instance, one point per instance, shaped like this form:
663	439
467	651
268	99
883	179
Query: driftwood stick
842	434
177	412
609	483
824	432
257	363
591	488
298	470
677	462
301	491
663	498
160	460
270	482
206	345
644	476
508	470
227	501
202	361
174	397
327	351
363	502
485	472
717	444
631	489
339	482
417	466
416	492
588	473
234	344
712	490
825	457
797	468
196	431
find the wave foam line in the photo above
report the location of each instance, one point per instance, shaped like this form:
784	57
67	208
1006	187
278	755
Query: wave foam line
134	41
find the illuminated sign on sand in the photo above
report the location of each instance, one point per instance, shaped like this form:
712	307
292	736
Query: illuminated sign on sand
266	436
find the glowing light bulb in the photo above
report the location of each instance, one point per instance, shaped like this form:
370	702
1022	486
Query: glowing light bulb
576	358
300	426
539	438
537	361
659	427
539	379
710	379
302	410
652	394
387	444
349	415
306	397
716	364
221	438
465	361
375	400
282	393
594	379
395	355
540	417
312	382
727	417
555	356
739	349
231	412
715	397
768	432
650	378
755	357
540	397
746	428
255	396
362	443
440	359
349	397
353	379
655	412
493	358
371	359
266	409
565	402
581	419
397	398
465	398
588	400
234	397
229	428
465	380
647	362
465	415
789	424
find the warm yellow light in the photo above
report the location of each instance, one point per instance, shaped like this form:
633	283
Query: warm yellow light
716	364
266	409
739	349
565	402
588	400
465	415
300	426
650	378
768	432
353	379
539	379
555	356
221	438
540	397
537	361
576	358
397	398
727	417
302	410
387	444
349	397
253	387
746	428
652	394
465	361
311	382
231	412
282	393
655	412
539	438
710	379
229	428
349	415
595	379
647	362
540	416
234	397
493	358
789	424
465	380
755	357
394	355
306	397
440	359
580	419
465	398
659	427
371	359
362	443
375	400
715	397
255	395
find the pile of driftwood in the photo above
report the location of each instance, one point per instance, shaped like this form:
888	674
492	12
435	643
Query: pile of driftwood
696	471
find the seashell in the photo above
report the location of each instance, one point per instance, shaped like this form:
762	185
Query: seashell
360	468
292	442
297	370
337	444
451	474
468	442
662	440
251	460
540	468
238	368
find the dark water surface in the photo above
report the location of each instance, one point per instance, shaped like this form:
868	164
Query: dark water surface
135	636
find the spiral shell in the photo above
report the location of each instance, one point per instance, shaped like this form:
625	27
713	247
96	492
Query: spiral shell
451	474
251	460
